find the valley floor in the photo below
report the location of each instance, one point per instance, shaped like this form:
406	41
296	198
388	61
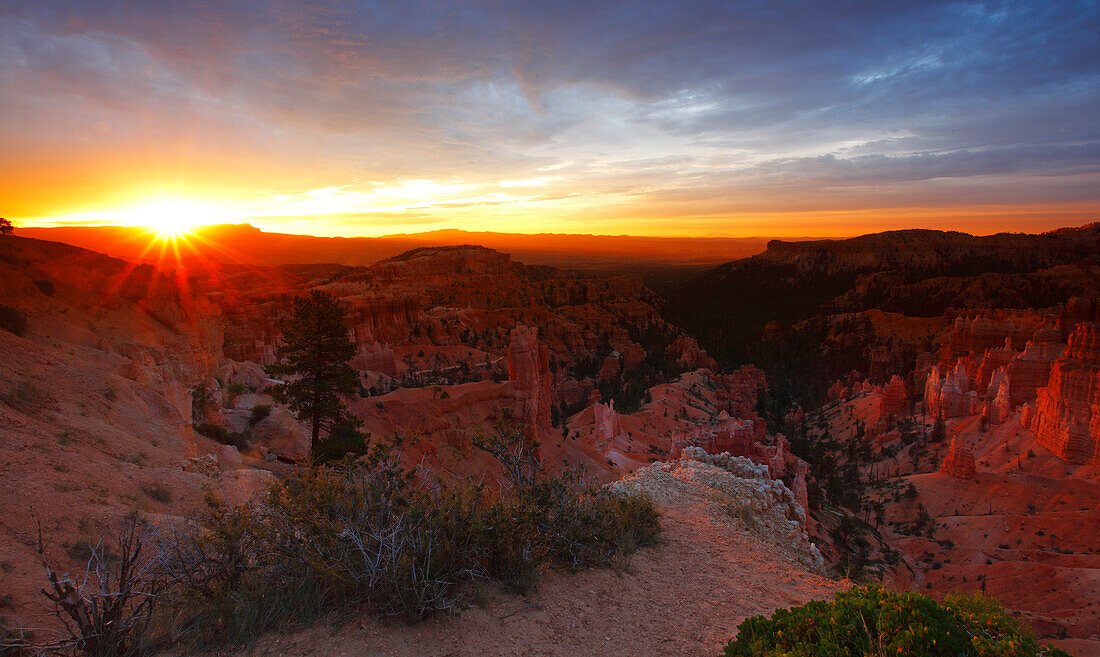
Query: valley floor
685	596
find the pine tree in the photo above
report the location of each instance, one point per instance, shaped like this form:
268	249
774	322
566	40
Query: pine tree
939	430
315	351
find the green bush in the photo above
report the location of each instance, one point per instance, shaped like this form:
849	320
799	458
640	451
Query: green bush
259	412
868	621
12	320
346	440
366	531
214	432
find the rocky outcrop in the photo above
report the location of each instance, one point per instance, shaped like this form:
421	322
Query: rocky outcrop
760	504
1001	330
895	398
1000	408
1066	417
375	357
1030	370
794	417
959	461
282	434
686	353
949	395
529	373
243	486
608	426
740	391
735	436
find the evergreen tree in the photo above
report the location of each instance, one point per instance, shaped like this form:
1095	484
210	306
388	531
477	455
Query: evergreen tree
939	430
315	354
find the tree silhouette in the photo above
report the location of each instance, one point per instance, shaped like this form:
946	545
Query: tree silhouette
939	429
315	352
5	227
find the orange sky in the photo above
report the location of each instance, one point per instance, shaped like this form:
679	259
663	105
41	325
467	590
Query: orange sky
337	121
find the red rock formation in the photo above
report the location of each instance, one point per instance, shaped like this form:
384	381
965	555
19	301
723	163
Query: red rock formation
375	358
611	369
959	461
1066	419
739	391
949	396
993	360
686	353
794	417
838	391
1030	370
608	426
529	373
1077	310
895	399
1000	408
974	333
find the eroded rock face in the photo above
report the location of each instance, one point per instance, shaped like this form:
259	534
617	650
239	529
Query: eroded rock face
959	461
607	424
1000	409
895	398
1066	418
1030	370
949	395
529	373
978	332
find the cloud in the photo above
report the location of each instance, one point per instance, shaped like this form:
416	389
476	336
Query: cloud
693	99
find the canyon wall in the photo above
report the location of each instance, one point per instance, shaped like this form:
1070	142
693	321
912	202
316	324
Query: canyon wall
1066	415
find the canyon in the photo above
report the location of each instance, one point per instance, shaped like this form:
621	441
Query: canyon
900	405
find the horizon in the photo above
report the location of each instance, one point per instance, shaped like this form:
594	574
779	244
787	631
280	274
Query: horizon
608	119
717	236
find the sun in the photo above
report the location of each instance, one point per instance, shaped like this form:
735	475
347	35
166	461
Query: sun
170	218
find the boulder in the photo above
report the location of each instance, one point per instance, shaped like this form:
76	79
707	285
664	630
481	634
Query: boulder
282	434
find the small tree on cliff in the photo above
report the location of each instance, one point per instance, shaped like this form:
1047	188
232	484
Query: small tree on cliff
5	227
316	351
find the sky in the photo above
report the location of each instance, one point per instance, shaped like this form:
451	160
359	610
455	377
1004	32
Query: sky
648	118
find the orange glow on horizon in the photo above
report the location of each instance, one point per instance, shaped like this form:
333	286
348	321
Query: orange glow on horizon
405	207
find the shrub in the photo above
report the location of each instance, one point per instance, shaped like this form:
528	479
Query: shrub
157	491
872	621
45	287
107	611
12	320
259	412
14	641
346	440
367	531
237	388
214	432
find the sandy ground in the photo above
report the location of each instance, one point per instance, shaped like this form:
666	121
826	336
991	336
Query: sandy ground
685	596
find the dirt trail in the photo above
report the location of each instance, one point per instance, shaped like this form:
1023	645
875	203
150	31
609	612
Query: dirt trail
683	597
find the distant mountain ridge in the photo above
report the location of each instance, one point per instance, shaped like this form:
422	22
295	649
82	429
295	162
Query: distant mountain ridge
246	243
